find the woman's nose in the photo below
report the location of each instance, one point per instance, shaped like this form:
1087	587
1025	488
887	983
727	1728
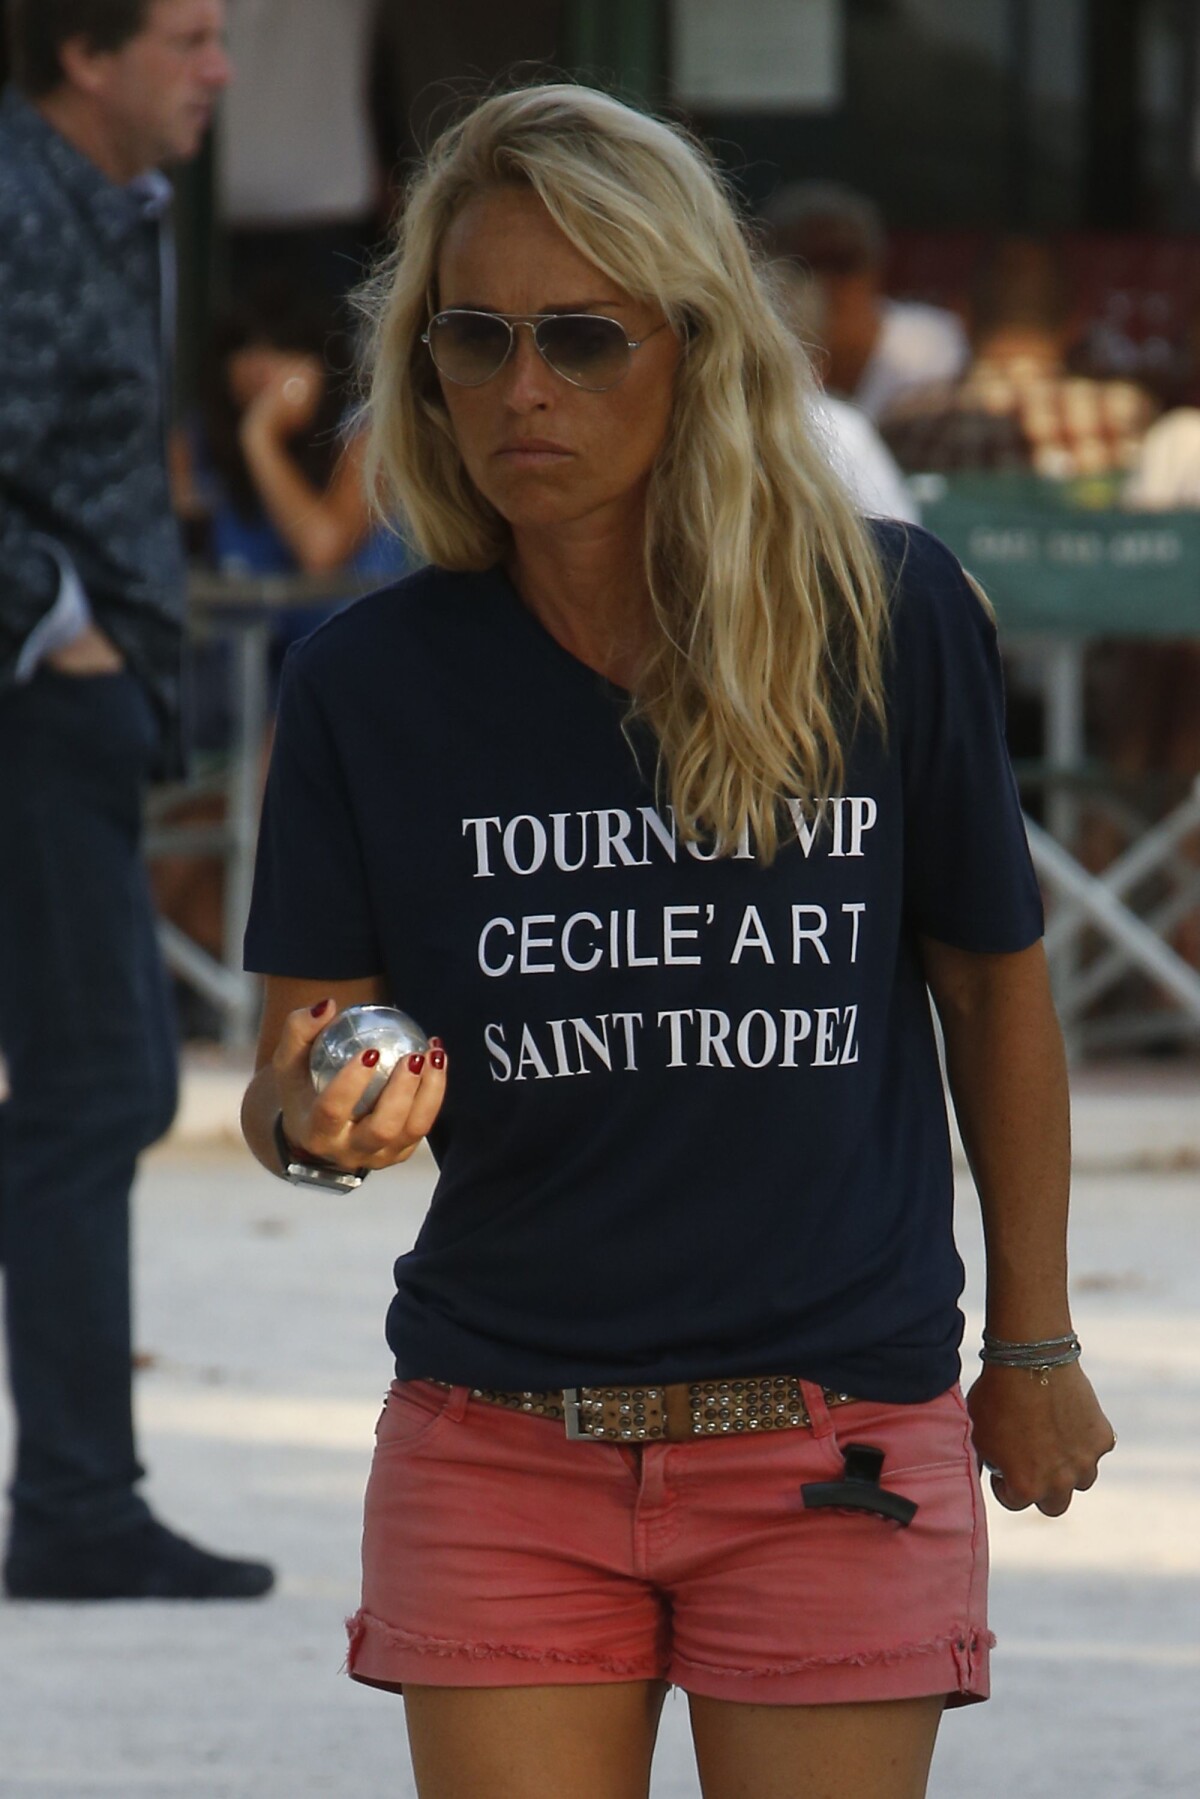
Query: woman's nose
530	378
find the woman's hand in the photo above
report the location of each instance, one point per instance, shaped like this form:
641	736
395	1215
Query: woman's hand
321	1125
289	400
1042	1443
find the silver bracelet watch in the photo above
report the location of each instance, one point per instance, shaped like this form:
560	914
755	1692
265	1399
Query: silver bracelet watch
326	1175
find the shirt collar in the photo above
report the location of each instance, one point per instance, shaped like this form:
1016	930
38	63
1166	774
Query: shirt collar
117	210
152	193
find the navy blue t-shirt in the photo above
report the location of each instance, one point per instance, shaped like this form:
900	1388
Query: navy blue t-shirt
694	1124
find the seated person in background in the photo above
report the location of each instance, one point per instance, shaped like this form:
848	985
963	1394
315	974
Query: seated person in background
269	474
272	480
282	472
876	348
272	467
1016	407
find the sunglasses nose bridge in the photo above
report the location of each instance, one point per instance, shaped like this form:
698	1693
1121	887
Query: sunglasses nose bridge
536	361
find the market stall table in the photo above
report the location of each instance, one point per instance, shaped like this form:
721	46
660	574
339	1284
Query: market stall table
1063	576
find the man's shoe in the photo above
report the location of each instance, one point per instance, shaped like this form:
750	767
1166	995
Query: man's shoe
147	1562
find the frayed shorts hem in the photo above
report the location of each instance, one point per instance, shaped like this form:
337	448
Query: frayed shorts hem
956	1667
382	1656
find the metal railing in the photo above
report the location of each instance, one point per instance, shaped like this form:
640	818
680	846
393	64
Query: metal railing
241	609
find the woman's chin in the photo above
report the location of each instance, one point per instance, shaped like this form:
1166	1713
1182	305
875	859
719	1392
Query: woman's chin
539	511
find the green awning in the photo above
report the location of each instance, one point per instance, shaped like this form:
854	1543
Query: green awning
1052	564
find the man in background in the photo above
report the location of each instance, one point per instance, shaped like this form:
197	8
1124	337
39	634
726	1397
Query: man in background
875	347
91	609
872	476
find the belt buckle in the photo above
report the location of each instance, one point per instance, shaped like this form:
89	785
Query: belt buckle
577	1431
620	1415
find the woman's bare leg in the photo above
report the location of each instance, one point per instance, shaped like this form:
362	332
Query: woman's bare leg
876	1751
591	1742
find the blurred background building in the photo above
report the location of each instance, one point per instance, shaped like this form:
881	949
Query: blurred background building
957	117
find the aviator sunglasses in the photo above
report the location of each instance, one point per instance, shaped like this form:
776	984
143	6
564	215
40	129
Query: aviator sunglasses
586	349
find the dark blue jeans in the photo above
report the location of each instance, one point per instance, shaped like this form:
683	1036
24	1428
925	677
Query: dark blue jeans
87	1032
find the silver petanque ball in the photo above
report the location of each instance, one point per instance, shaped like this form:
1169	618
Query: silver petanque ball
393	1033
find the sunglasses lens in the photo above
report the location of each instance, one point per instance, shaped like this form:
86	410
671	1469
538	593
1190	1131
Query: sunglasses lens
468	347
591	352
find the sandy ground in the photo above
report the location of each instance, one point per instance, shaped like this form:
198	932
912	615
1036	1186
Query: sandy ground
260	1310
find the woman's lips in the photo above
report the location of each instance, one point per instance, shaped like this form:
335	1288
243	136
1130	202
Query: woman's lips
533	451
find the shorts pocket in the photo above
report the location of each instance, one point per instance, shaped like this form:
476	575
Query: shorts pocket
411	1413
927	1438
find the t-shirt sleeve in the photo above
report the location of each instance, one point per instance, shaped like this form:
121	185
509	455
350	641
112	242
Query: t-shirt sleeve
310	913
968	877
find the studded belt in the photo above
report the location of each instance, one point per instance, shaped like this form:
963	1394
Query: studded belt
674	1413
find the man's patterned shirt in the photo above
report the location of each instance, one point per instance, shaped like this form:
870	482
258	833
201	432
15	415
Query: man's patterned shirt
83	480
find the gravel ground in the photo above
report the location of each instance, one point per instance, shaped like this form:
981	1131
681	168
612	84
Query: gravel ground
260	1321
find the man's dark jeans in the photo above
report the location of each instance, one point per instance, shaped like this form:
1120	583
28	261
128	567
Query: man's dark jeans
87	1032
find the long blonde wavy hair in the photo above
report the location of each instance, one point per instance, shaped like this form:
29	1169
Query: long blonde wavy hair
765	584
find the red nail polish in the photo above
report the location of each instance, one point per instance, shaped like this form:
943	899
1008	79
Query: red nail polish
438	1059
436	1043
415	1064
370	1058
322	1005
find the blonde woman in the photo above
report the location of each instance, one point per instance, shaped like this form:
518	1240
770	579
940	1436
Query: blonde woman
663	794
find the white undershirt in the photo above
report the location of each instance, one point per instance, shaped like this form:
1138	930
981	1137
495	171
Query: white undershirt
863	461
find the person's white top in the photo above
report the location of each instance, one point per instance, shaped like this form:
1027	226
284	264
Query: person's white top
1166	475
917	344
294	146
867	467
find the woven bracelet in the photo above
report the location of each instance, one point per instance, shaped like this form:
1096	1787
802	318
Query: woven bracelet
1037	1357
1069	1341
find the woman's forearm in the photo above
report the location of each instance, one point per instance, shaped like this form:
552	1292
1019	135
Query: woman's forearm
308	521
1008	1079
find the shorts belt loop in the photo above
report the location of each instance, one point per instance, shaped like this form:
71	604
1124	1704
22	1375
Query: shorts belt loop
818	1411
457	1403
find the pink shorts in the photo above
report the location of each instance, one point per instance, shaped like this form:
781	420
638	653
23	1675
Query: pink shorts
498	1553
